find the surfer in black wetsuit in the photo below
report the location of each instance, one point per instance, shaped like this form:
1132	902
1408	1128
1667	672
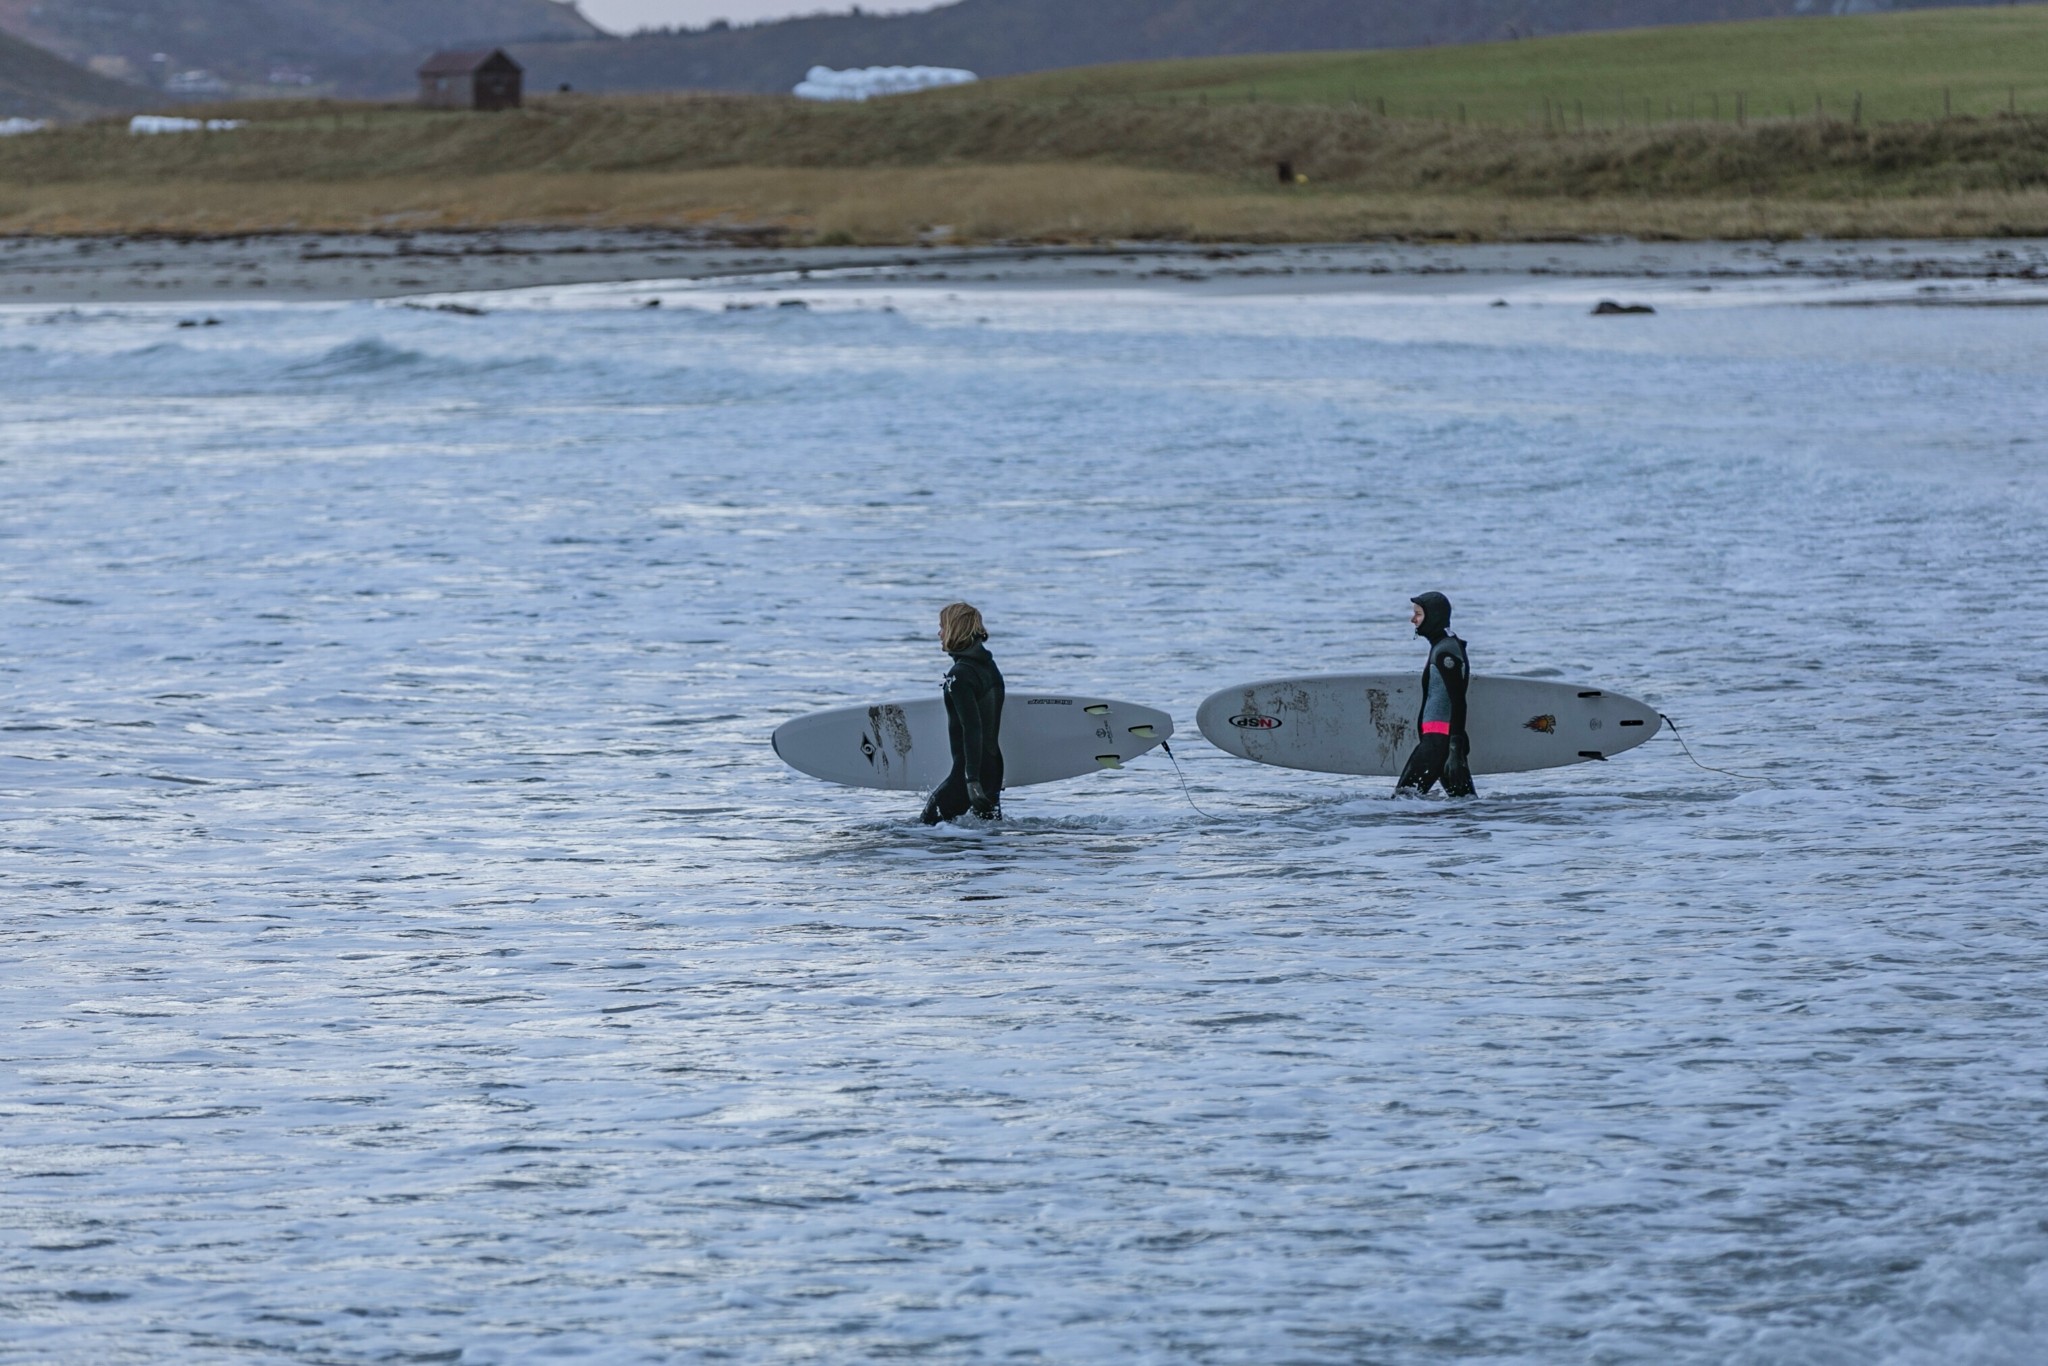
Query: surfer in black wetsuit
1443	751
974	720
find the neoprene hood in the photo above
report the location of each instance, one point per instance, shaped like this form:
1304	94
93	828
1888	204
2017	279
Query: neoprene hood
1436	615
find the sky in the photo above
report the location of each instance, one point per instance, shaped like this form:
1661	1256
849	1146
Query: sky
623	16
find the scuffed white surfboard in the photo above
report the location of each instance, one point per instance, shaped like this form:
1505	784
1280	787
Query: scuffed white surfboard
902	746
1365	723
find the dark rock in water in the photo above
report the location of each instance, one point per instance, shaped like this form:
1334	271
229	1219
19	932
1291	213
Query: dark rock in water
197	322
792	303
1607	308
1498	303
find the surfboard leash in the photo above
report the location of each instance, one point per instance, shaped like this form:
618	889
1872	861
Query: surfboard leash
1184	783
1730	773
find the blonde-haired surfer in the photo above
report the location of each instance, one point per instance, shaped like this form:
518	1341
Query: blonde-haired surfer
974	719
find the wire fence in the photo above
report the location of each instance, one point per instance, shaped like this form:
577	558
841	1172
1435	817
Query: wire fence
1579	113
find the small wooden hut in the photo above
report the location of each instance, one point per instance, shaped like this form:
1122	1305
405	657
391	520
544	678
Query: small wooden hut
483	79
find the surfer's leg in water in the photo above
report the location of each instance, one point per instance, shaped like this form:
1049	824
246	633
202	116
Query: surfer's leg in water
955	798
949	801
1425	765
1458	769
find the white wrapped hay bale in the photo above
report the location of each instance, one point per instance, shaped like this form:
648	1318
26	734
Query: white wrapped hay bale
152	124
867	82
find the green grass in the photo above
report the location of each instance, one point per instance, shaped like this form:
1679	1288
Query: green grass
1171	149
1333	145
1907	67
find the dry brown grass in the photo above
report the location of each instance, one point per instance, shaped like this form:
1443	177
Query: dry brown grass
1330	143
996	169
1046	203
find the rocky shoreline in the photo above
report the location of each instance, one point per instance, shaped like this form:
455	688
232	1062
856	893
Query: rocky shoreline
301	267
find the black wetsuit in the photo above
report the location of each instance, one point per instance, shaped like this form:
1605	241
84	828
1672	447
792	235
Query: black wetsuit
1443	751
974	720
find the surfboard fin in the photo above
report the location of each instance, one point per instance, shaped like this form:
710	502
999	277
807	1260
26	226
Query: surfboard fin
1143	732
1110	760
1099	709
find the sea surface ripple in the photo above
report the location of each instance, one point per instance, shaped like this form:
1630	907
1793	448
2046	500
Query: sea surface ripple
415	952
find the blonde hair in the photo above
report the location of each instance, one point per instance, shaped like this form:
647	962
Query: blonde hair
960	628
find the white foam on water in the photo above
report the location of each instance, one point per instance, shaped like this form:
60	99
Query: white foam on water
415	947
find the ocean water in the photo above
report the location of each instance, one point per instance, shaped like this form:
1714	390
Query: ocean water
415	952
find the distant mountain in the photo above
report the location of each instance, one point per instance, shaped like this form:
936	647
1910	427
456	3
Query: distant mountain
207	48
35	84
1007	37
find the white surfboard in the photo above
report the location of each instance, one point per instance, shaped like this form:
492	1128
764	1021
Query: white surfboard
1365	723
902	746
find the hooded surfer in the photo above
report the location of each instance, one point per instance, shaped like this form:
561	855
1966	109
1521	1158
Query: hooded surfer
974	719
1443	752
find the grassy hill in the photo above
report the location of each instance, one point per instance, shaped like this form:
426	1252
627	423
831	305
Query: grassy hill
38	84
1006	37
1132	152
1905	66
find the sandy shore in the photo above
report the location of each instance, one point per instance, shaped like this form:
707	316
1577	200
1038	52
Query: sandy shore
288	267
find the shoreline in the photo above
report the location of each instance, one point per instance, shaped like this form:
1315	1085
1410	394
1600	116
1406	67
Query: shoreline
339	267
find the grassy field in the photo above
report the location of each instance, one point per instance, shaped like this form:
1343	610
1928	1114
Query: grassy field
1910	66
969	204
1235	145
1124	153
